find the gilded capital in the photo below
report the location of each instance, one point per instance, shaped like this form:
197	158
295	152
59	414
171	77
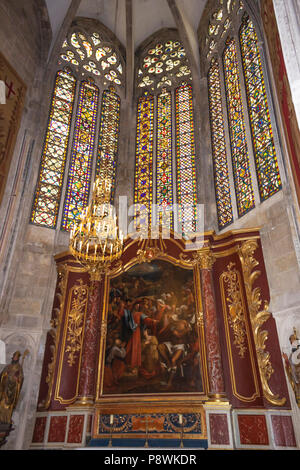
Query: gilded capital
205	258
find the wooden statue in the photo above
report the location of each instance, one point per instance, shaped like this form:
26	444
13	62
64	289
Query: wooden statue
11	380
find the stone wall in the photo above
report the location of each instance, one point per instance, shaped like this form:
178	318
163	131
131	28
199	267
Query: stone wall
25	37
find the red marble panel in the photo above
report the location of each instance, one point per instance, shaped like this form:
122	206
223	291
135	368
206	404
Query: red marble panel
212	334
75	433
283	431
91	340
39	429
218	425
57	429
253	430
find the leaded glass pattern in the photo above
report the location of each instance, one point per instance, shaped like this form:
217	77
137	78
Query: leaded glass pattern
48	191
239	148
108	137
79	176
163	65
164	177
185	157
268	176
221	176
94	54
143	190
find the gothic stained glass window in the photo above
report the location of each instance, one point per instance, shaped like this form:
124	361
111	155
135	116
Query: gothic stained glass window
163	64
79	176
143	165
94	54
108	136
48	191
269	181
185	156
239	149
164	179
222	186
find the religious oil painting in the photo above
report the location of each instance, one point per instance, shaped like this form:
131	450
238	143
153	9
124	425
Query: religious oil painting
152	338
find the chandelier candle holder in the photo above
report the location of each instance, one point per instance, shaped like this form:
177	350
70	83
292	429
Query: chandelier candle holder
96	241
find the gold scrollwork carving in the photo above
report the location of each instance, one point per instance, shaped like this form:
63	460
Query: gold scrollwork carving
105	269
76	321
103	329
204	258
148	255
55	324
258	317
234	300
199	319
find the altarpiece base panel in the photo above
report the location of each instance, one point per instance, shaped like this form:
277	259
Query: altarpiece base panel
186	350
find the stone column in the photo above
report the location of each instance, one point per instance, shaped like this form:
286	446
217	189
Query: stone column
88	364
213	349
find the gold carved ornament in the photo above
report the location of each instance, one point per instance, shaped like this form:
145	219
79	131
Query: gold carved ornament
54	332
76	321
258	317
203	258
234	300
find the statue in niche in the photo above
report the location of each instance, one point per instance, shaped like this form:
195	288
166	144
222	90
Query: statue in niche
11	381
292	364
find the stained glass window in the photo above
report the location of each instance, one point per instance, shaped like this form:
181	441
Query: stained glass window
164	180
94	54
239	149
144	147
108	136
185	156
79	175
269	181
48	191
222	186
163	64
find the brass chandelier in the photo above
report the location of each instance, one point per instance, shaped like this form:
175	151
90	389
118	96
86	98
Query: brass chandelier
96	241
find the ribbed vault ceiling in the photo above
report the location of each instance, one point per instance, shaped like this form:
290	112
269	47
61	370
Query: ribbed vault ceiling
148	15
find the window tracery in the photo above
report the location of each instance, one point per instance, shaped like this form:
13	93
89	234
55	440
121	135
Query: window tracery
163	64
82	144
95	54
49	185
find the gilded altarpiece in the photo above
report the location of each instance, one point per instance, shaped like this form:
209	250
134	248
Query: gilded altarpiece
179	330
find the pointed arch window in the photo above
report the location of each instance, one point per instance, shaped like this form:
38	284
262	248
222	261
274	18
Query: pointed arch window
164	78
268	176
237	96
49	185
82	136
